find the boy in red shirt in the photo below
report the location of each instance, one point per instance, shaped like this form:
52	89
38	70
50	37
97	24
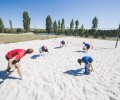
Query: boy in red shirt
14	57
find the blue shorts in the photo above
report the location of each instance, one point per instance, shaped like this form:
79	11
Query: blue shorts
88	47
87	70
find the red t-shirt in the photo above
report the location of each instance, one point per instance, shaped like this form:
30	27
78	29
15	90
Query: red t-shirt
18	53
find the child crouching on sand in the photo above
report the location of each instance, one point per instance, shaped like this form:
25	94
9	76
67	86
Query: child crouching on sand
62	43
87	46
88	63
14	57
43	49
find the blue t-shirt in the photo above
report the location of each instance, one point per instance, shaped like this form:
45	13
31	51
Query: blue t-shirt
87	59
87	45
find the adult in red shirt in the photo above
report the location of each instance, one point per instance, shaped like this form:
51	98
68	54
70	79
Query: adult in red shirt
14	57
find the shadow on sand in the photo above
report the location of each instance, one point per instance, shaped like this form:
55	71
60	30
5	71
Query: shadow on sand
77	72
103	48
36	56
57	47
80	51
5	75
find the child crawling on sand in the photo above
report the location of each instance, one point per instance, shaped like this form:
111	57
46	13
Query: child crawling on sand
43	49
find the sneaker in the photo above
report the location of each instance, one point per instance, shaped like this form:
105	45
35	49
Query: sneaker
8	69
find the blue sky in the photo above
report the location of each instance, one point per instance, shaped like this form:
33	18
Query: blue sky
107	12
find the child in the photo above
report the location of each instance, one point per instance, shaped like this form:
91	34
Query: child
14	57
88	63
43	49
62	43
86	46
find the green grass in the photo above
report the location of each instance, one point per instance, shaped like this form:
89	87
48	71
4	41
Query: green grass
11	38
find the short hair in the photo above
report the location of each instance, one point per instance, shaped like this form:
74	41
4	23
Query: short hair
79	61
29	51
83	42
90	61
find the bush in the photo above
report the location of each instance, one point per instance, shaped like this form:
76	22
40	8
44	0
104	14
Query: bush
6	30
19	30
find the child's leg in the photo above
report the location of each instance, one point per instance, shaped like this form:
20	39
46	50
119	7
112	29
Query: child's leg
87	69
40	50
18	66
13	65
60	45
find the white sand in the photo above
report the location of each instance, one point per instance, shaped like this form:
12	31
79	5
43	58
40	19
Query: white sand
58	76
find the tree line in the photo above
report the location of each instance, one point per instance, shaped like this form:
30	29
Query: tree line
58	28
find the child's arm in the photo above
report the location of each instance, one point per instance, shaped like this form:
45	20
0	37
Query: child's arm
92	67
84	46
40	50
91	47
10	62
48	51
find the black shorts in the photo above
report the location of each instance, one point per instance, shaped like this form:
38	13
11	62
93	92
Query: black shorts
14	61
88	47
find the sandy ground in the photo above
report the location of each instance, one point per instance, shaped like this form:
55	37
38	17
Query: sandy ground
58	76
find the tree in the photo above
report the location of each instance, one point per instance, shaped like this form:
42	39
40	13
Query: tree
95	23
59	25
1	26
55	27
77	24
26	21
48	24
81	31
72	26
52	29
76	27
10	25
95	26
63	26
